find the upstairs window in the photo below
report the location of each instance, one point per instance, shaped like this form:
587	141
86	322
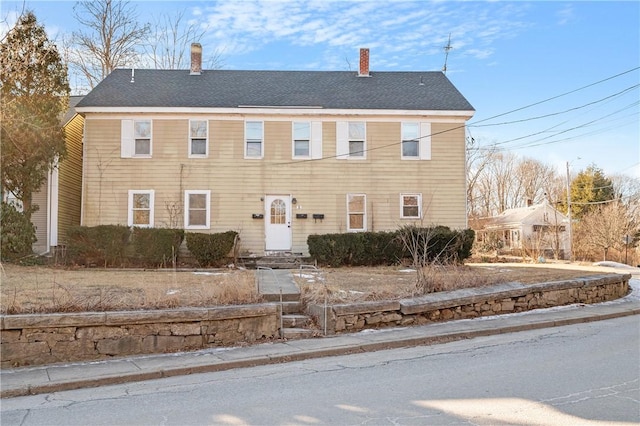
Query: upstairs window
198	135
356	139
302	139
410	140
410	206
140	212
253	131
356	212
196	208
307	139
351	140
416	141
136	138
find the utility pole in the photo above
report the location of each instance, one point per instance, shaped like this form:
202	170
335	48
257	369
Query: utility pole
569	214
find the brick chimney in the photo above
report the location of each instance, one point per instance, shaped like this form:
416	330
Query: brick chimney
196	59
364	63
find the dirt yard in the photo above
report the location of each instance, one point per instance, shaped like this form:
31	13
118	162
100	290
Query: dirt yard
44	289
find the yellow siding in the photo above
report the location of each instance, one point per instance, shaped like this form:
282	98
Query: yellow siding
238	185
70	179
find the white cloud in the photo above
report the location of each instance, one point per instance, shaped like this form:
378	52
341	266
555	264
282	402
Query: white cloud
391	28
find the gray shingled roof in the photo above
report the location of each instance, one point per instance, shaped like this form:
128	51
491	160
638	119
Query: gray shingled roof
230	89
71	111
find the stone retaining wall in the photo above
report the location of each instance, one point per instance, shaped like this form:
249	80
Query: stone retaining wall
469	303
49	338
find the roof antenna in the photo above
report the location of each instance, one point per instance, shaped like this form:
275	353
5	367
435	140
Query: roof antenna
132	75
446	48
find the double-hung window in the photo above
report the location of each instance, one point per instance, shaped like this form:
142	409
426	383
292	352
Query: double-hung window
410	140
198	136
410	206
136	138
196	208
356	139
356	212
351	140
254	136
307	139
140	211
416	141
302	139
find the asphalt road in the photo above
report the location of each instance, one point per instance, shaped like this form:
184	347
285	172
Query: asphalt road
586	374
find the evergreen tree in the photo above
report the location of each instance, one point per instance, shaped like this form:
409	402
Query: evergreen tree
34	94
589	190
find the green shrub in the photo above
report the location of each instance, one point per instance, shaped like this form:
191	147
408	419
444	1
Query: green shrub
18	233
421	245
156	246
104	245
354	249
211	249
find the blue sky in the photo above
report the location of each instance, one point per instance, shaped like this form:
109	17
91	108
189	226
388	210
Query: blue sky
575	62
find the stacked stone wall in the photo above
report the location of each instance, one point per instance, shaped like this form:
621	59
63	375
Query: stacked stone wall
49	338
470	303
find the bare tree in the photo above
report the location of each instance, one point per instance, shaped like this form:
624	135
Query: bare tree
169	39
606	226
111	32
477	160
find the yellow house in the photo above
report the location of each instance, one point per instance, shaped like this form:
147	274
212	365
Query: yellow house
59	198
274	155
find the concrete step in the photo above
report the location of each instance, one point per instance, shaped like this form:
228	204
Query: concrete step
296	333
286	297
291	307
295	320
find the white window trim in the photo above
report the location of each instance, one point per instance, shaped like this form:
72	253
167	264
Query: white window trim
128	138
315	140
190	140
402	139
364	219
293	139
246	145
424	142
402	216
342	141
151	194
186	209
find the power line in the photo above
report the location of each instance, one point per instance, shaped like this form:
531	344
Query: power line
558	96
467	125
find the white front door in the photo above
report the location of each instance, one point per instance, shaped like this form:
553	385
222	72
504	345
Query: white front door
277	222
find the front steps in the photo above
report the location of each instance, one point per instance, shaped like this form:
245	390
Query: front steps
278	287
272	260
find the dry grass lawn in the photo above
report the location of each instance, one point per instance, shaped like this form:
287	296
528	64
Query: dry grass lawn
384	283
38	289
43	289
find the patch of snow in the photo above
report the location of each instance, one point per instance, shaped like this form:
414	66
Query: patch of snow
305	276
616	265
169	292
210	273
407	270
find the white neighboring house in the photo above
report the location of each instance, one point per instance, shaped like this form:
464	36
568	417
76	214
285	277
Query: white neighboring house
535	230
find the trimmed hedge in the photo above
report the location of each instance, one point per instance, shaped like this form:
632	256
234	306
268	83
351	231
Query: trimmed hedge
211	249
153	246
117	245
103	245
431	244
